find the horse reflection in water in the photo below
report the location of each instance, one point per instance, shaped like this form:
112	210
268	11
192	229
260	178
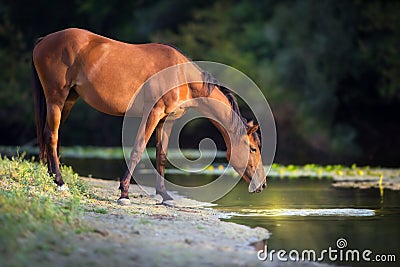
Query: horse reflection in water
109	75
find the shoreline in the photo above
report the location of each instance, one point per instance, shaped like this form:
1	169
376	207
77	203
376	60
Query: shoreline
148	234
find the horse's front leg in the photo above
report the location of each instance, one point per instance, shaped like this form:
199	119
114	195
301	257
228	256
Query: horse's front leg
163	132
146	128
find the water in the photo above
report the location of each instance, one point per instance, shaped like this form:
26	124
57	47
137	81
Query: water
301	214
112	169
304	214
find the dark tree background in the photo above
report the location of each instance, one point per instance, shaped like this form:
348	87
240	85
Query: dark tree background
329	69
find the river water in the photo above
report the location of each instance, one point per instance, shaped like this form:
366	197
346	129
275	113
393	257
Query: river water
310	214
301	214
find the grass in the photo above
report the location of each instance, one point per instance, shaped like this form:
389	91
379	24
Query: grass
330	171
98	210
33	213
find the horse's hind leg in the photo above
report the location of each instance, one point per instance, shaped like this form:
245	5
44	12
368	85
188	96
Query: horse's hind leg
51	140
163	131
69	102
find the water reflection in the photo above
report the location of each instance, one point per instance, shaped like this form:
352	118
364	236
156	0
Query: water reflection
300	214
307	212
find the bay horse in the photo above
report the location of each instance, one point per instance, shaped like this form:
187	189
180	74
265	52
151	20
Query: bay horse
107	74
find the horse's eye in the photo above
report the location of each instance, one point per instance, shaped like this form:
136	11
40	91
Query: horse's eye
253	150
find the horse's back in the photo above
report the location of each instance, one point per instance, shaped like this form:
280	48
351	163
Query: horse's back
106	73
75	41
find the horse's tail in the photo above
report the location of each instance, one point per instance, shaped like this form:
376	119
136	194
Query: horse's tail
40	110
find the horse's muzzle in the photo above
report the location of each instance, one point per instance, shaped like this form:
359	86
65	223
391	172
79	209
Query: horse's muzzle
261	187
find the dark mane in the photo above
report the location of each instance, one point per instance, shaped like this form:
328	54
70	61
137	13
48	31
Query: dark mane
210	82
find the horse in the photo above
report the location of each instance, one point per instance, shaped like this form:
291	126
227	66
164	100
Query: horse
108	74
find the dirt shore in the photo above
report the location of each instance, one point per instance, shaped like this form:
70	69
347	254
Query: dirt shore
148	234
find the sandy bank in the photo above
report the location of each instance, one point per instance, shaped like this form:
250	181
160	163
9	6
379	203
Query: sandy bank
148	234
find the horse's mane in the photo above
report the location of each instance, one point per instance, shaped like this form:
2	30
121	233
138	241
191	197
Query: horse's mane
236	117
209	83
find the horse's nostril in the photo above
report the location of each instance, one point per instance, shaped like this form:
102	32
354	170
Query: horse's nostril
264	185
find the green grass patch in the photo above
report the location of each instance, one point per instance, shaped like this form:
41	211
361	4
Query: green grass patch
99	210
34	215
330	171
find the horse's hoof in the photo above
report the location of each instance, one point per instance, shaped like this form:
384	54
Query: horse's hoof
63	187
124	202
165	196
169	203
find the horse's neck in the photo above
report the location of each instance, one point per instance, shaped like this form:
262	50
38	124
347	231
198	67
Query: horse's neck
225	135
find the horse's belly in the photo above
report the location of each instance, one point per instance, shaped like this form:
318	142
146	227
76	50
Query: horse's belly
113	102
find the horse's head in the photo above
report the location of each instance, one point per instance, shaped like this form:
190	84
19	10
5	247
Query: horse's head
245	158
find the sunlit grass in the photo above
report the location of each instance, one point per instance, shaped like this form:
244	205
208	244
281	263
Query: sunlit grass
33	213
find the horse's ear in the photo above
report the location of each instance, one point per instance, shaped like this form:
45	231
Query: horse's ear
252	129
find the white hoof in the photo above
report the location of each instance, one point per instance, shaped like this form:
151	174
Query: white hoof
64	187
124	202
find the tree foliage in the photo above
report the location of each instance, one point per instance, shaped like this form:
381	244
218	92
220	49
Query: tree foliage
329	69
